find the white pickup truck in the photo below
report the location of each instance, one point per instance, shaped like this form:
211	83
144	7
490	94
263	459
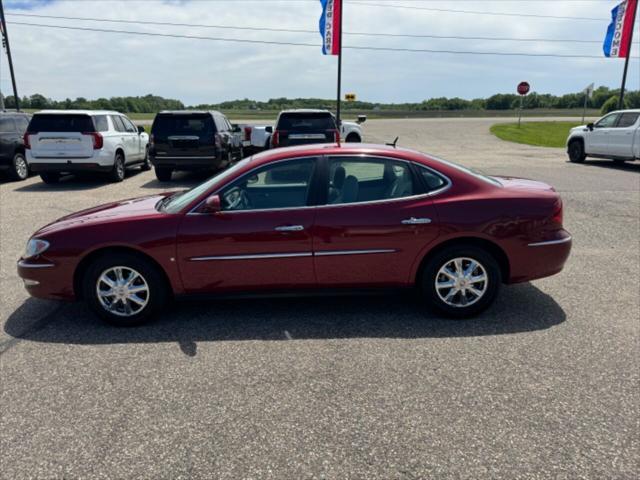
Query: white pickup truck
615	136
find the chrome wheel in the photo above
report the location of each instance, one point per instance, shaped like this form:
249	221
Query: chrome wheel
461	282
20	166
122	291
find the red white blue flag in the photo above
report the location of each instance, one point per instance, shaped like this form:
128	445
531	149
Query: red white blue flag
330	26
616	43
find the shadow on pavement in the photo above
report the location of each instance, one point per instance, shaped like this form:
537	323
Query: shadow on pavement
77	182
624	166
519	308
179	180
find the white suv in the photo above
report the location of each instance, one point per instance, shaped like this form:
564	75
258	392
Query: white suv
69	141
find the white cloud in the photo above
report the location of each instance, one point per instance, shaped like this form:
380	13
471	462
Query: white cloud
68	63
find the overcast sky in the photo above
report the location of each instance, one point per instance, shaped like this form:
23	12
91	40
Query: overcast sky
67	63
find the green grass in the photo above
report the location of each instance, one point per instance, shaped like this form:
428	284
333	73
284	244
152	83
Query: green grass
540	134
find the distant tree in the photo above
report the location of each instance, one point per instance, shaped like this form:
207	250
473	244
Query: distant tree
39	101
612	105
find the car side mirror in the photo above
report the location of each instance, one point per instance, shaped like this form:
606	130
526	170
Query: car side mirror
213	204
361	119
590	126
269	129
140	129
236	128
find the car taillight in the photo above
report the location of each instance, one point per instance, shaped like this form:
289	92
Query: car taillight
558	216
27	142
336	135
152	140
275	138
217	140
98	141
247	134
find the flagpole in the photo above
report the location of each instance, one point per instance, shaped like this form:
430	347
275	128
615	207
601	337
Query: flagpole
6	39
626	62
338	121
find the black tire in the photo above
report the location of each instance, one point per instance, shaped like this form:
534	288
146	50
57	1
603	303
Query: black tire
353	138
163	174
19	169
155	295
146	164
50	177
118	172
490	289
576	152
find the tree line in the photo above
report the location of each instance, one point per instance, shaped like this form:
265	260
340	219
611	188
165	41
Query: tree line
604	99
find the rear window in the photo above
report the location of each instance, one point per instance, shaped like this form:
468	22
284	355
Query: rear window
306	122
201	126
61	123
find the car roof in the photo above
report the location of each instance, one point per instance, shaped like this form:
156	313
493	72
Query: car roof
11	113
305	110
78	112
185	112
629	110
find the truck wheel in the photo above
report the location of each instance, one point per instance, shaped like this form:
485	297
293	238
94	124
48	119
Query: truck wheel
50	177
353	138
146	165
576	152
117	173
19	169
163	174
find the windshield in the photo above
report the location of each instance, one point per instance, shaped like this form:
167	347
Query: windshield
470	171
180	200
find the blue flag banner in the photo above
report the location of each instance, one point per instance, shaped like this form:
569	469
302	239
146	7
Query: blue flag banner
330	26
616	42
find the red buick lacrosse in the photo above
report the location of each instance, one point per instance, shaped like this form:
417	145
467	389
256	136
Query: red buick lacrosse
312	218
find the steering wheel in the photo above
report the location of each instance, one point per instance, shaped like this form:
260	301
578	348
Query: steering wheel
237	199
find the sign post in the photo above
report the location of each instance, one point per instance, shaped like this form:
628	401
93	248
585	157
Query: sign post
331	31
523	89
588	93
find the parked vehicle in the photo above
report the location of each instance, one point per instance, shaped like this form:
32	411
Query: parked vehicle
72	141
193	140
12	156
302	127
256	138
615	136
315	217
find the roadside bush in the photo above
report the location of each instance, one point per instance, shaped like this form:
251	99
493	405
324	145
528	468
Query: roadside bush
612	104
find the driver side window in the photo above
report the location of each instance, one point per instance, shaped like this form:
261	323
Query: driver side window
281	185
607	122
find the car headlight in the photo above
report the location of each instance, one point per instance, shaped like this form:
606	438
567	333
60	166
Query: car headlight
35	247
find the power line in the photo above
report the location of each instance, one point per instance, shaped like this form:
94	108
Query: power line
290	30
314	45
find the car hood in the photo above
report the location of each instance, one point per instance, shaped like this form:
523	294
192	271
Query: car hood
141	207
350	124
514	183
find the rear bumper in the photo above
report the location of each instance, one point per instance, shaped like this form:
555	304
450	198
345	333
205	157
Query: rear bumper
541	259
186	163
68	167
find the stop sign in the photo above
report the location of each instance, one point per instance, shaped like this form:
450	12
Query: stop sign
523	88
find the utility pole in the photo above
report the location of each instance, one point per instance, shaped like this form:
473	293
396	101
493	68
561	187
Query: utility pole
626	61
340	13
5	39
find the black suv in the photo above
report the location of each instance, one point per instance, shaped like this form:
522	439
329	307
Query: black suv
192	140
301	127
12	159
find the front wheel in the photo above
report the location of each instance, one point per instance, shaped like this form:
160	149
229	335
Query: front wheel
353	138
576	152
124	289
461	281
19	169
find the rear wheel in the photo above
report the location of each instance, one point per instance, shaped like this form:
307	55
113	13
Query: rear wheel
163	174
461	281
124	289
353	138
576	152
118	171
146	164
19	169
50	177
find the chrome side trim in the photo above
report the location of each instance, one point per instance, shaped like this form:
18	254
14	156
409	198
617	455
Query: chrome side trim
551	242
257	256
23	264
330	253
262	256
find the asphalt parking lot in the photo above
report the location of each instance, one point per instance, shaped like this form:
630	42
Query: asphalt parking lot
544	385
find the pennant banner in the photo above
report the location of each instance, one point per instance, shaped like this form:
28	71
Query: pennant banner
330	26
616	43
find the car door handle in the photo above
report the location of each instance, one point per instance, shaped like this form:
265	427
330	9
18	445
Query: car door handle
416	221
290	228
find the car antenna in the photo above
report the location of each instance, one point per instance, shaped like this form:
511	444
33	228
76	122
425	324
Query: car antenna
395	142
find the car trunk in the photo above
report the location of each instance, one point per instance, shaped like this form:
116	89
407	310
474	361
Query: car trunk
184	135
61	136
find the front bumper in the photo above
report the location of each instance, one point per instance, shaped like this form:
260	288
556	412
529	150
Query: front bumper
45	279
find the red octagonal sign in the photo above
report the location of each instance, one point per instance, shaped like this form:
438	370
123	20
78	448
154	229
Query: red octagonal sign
523	88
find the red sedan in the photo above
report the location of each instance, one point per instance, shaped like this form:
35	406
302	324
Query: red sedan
307	218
